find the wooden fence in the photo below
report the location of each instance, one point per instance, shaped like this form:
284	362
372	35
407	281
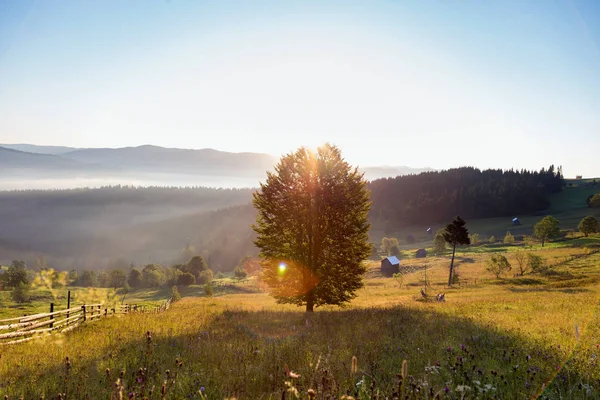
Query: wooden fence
23	329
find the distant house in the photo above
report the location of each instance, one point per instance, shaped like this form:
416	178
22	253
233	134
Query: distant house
429	231
516	221
421	253
579	177
390	266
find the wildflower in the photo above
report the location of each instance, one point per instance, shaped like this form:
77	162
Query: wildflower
463	347
446	389
291	374
449	349
527	385
202	389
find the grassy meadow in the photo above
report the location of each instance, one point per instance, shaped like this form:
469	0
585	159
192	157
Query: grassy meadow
535	336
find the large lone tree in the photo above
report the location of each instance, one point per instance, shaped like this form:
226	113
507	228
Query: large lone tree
312	228
455	234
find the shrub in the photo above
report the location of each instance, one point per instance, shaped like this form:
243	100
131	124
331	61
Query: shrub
20	293
475	238
536	263
492	239
497	265
205	277
175	296
220	275
186	279
521	258
208	289
509	238
239	273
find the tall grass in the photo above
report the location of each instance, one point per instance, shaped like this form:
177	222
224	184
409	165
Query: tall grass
498	339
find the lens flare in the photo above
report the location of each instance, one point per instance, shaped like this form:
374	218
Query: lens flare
282	268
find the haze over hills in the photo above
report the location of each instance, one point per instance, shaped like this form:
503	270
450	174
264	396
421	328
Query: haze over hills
29	166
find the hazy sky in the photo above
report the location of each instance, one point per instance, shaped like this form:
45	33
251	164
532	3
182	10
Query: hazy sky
418	83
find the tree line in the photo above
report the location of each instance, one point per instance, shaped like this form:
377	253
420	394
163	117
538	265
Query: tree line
437	196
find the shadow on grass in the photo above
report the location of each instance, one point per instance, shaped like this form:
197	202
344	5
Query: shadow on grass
245	354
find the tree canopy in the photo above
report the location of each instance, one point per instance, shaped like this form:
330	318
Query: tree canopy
546	228
437	196
588	225
455	234
312	228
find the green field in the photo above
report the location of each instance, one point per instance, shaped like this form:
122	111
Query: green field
516	337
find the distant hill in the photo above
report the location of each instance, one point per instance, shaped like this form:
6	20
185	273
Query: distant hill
149	158
20	160
61	167
33	148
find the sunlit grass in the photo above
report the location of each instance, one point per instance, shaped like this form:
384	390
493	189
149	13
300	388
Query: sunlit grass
521	337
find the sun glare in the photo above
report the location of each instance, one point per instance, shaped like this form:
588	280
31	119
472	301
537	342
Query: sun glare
282	268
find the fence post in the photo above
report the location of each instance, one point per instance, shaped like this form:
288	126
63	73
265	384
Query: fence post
99	310
52	316
105	312
68	302
84	316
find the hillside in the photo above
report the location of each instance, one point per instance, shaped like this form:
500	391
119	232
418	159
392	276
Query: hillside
16	160
32	148
89	227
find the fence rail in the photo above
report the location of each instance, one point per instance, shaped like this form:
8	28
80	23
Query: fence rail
29	327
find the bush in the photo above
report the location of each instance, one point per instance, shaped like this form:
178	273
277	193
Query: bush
208	289
509	238
186	279
474	238
20	293
536	263
239	273
492	239
220	275
205	277
175	296
497	265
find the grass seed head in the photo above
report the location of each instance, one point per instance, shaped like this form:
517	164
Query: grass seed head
354	368
404	369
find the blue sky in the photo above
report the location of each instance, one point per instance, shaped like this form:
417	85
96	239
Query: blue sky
439	84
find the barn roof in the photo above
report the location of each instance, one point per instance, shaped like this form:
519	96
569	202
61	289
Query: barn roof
515	219
393	260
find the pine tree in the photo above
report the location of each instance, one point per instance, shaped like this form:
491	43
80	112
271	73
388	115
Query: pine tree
312	228
455	234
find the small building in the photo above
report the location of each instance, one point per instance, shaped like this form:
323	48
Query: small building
429	231
516	221
390	266
421	253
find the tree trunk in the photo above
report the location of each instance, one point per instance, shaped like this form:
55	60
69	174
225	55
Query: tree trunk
310	305
543	240
451	266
